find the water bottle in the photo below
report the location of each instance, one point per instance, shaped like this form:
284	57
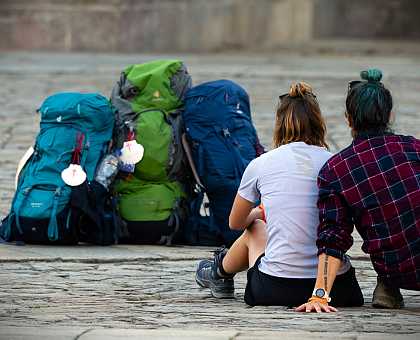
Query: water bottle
107	170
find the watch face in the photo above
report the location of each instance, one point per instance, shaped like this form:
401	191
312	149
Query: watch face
320	292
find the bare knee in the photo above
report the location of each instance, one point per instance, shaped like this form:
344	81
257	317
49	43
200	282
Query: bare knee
257	231
256	240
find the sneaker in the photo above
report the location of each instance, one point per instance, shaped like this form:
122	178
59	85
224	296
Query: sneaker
387	297
203	273
206	276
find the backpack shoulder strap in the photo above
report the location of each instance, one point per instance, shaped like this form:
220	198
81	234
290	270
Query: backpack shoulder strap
187	150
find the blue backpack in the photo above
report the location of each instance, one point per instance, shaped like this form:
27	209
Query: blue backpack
223	141
41	211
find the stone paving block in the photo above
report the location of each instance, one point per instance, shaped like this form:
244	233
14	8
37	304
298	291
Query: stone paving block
414	336
105	334
293	336
36	333
86	253
92	333
322	336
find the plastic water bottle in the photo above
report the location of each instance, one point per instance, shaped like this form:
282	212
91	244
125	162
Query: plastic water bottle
107	170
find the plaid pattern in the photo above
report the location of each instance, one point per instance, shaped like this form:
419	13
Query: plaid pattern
374	184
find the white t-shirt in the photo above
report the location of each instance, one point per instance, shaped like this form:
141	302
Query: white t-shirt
284	179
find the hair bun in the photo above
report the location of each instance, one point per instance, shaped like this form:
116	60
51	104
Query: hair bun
300	89
372	75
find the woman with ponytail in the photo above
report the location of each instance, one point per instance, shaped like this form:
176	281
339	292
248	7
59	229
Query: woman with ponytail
373	185
278	244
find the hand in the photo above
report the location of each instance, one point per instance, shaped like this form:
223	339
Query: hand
315	306
258	213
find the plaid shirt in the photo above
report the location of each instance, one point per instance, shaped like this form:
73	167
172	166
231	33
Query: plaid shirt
374	184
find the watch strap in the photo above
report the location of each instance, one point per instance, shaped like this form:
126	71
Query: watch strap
324	301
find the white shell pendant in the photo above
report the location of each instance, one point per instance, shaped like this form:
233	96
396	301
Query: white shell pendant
132	152
73	175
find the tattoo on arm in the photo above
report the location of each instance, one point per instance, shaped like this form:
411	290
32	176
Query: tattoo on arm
326	272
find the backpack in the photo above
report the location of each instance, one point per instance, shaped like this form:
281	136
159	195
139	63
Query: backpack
223	140
149	99
41	210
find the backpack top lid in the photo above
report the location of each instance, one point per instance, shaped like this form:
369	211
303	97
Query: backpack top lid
233	94
159	84
208	103
89	111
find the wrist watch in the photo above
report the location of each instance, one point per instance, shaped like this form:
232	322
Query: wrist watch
321	293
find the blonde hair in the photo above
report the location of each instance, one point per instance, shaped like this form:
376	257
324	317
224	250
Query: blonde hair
298	118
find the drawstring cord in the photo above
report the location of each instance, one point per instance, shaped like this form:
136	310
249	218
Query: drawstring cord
75	159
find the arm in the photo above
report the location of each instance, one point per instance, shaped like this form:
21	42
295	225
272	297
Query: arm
243	214
334	238
327	271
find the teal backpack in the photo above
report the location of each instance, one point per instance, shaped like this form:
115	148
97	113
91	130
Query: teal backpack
41	210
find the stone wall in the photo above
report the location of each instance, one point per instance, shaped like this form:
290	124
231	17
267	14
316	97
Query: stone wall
384	19
197	25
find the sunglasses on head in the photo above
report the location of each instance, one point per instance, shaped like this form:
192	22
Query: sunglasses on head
281	97
353	83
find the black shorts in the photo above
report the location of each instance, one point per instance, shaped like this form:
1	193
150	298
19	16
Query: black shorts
266	290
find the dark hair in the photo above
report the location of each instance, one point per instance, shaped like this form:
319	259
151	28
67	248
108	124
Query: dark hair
369	103
298	118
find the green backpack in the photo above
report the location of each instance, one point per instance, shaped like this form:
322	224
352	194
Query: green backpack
149	100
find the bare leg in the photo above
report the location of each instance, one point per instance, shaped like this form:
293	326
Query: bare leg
246	249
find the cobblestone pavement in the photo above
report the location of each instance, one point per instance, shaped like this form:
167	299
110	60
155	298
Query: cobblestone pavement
81	288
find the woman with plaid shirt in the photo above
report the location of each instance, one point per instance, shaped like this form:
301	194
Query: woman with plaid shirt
373	185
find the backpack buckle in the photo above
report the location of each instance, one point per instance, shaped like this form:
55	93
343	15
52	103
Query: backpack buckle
226	132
